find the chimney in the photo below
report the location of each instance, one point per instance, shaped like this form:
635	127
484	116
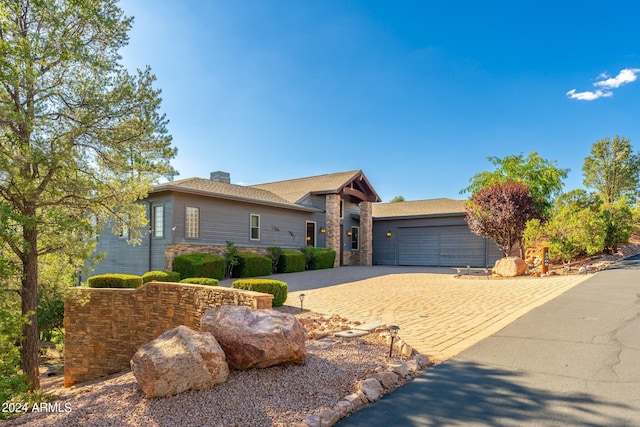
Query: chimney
220	176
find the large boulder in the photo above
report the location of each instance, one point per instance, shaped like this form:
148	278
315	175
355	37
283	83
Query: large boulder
510	267
178	360
255	338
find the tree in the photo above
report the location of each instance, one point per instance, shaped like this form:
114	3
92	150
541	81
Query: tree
612	169
618	223
500	212
575	227
397	199
543	177
81	139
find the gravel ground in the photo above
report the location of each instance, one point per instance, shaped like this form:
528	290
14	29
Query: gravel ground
274	396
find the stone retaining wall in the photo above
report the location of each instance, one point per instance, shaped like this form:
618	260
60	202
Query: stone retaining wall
105	327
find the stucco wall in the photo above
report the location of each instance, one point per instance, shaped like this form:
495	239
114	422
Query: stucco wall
105	327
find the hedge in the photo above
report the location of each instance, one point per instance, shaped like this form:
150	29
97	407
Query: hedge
268	286
251	264
199	265
291	261
161	276
322	258
114	281
200	281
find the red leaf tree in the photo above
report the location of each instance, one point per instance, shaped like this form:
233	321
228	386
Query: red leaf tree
500	212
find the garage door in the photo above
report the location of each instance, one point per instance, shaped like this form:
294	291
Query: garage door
446	246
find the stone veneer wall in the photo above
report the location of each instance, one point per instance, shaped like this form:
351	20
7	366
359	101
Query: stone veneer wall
105	327
332	218
173	250
366	234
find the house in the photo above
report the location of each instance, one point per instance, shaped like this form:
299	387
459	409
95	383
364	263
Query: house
430	233
338	211
201	215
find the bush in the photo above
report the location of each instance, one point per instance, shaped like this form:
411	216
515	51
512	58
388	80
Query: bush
231	255
200	281
199	265
251	264
114	281
291	261
274	254
268	286
161	276
321	258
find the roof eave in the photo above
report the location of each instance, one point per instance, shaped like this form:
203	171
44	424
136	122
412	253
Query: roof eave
419	216
233	198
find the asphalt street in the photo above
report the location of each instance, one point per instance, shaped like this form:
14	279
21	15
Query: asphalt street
572	361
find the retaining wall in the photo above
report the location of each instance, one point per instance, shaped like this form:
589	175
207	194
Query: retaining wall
105	327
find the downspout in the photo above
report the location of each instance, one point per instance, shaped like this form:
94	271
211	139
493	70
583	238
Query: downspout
149	233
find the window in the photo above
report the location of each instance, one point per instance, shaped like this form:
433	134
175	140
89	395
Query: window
158	221
192	222
254	227
355	242
124	226
341	209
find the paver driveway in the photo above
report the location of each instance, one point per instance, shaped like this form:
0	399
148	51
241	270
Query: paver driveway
438	314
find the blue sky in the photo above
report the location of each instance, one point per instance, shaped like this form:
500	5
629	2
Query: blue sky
417	94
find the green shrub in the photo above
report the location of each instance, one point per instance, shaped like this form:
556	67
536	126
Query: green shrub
307	251
231	260
291	261
199	265
114	281
251	264
161	276
274	253
268	286
322	258
200	281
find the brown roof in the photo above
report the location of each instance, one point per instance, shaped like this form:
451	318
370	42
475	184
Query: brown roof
223	190
294	190
418	208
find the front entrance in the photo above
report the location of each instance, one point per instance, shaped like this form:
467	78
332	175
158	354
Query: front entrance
311	233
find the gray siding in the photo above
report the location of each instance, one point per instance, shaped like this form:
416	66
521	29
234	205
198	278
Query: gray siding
223	220
123	257
435	241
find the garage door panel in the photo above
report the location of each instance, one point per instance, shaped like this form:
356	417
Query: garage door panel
447	246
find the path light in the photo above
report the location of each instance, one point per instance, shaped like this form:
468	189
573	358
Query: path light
393	333
301	296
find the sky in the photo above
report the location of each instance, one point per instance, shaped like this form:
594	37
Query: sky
416	94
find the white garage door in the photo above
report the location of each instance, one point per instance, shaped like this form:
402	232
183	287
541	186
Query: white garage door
446	246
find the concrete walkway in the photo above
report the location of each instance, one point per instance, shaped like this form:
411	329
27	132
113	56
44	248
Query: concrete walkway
439	315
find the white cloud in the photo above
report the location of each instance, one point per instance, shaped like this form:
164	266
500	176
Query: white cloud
625	76
588	95
607	83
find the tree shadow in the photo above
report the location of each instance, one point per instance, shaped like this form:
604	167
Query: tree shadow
461	393
631	263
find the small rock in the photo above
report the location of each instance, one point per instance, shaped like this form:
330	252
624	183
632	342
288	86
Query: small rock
423	361
329	417
387	378
355	400
413	365
399	368
406	350
312	420
371	388
344	407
